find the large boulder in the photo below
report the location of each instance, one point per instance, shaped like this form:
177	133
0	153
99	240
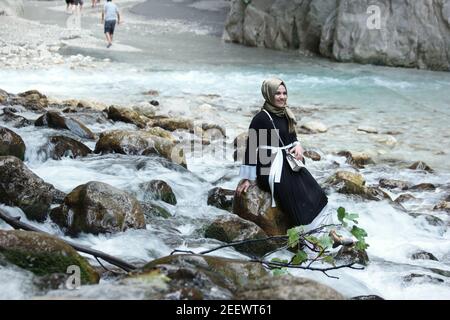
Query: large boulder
208	277
410	33
287	287
231	228
256	205
20	187
62	146
11	144
96	207
53	119
43	254
139	143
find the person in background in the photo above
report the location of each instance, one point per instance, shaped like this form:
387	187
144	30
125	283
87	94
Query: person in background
69	5
109	15
94	3
78	4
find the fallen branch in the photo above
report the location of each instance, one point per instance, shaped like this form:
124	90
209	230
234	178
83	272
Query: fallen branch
17	224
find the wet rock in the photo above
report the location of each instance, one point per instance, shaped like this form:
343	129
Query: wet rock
20	187
424	187
211	277
314	127
404	197
11	144
233	229
256	205
152	210
274	288
421	278
158	190
367	129
213	130
423	255
139	143
154	103
443	205
160	132
32	100
314	156
430	219
43	254
127	115
15	120
62	146
97	207
420	165
173	124
53	119
354	183
357	159
221	198
347	255
369	297
394	184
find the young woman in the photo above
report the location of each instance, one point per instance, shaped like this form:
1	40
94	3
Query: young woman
271	135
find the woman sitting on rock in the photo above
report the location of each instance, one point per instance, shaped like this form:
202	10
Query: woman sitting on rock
296	193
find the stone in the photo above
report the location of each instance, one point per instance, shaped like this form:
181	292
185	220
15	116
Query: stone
11	144
53	119
158	190
97	207
62	146
221	198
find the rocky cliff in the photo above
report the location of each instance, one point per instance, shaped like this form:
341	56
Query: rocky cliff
11	7
404	33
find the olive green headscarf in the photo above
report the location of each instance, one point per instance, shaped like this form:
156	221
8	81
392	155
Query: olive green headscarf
268	90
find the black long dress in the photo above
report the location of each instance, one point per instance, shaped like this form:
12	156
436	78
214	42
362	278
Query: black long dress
298	194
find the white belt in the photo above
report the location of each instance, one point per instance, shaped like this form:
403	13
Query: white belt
276	167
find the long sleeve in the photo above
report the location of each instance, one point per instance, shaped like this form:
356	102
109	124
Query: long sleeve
248	167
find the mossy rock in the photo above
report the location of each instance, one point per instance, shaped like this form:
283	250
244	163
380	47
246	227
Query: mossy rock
43	254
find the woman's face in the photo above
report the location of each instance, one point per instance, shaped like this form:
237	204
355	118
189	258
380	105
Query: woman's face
280	97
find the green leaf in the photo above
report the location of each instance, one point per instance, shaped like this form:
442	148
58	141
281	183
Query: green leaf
353	217
359	233
279	260
312	239
325	242
361	245
341	214
294	237
279	272
329	260
300	257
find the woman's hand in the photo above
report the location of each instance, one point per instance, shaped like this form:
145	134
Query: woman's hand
243	187
297	151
